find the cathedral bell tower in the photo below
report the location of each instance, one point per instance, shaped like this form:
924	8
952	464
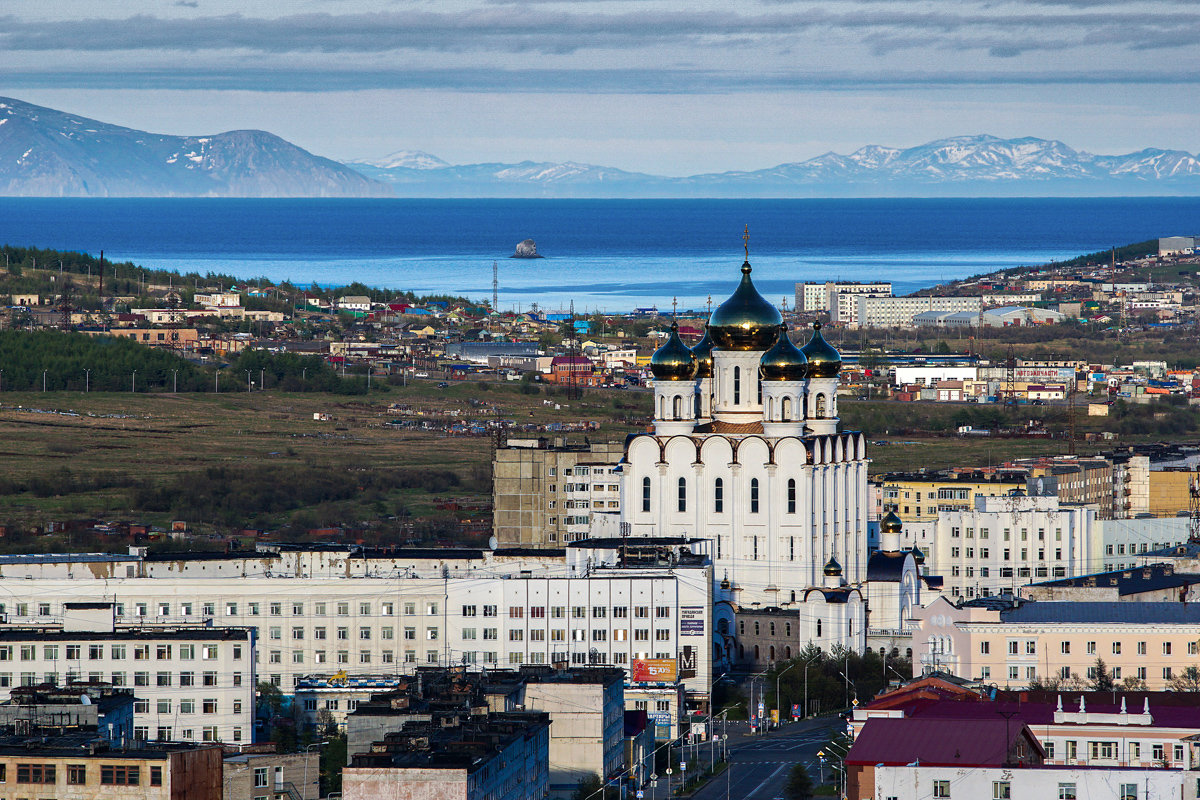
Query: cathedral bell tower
674	369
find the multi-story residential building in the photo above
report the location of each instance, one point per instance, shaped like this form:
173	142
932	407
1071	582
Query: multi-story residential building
95	707
502	756
192	682
323	609
898	312
273	776
916	496
81	766
1071	479
837	297
999	640
544	492
1005	542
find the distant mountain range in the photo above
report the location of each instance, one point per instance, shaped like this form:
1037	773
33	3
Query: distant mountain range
962	165
48	153
44	152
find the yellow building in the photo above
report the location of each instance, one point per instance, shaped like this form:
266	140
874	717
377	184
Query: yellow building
920	496
1170	492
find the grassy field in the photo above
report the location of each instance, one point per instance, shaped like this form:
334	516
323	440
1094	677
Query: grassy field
76	455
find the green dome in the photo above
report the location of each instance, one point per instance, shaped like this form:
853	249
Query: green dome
784	361
891	523
746	321
823	360
674	361
833	568
703	352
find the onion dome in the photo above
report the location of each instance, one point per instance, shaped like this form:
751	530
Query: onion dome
823	360
918	556
704	358
746	321
891	523
784	361
674	361
832	568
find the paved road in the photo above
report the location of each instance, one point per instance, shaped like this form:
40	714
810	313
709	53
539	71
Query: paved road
759	765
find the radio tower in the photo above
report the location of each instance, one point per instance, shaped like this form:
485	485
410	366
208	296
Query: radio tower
495	287
1010	387
1194	509
65	304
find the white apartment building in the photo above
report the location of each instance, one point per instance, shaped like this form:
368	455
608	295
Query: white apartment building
916	782
827	296
1006	542
898	312
218	300
192	683
340	608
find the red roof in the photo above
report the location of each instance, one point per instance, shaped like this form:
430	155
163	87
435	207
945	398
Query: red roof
939	742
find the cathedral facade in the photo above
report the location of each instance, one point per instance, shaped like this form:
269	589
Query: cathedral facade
746	454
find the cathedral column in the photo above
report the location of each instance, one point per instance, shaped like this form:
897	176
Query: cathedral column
804	501
661	498
736	514
772	587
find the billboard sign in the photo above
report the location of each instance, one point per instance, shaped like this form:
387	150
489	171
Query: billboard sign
691	621
652	670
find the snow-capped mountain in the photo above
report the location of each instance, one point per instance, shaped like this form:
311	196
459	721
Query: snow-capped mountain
49	153
957	165
405	159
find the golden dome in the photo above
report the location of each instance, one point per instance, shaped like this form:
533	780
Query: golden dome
784	361
823	360
918	556
832	568
704	358
674	361
746	321
891	523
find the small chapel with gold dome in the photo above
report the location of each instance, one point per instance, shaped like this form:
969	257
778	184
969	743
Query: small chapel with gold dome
746	455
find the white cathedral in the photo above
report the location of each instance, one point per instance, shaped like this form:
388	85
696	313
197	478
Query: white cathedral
746	454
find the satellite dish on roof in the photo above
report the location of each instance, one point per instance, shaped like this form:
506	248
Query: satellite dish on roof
493	543
85	700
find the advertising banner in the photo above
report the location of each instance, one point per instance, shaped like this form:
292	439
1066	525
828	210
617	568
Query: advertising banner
652	670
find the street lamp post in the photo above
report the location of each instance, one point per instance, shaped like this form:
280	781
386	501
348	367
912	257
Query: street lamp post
87	381
249	383
133	382
174	381
778	675
44	379
307	749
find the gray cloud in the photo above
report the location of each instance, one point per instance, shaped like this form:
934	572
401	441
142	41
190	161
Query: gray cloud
517	29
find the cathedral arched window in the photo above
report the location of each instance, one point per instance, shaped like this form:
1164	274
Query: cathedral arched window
645	494
683	494
754	495
678	407
722	626
737	385
818	628
759	383
772	651
791	496
718	496
820	406
787	653
785	409
756	653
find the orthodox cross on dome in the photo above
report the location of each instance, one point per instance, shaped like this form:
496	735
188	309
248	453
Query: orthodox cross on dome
746	241
674	305
710	305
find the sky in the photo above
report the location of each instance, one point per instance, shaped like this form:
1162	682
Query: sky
662	86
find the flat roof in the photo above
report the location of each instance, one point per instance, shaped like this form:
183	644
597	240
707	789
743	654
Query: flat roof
30	634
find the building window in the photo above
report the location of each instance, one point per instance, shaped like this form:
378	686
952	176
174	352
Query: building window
77	774
791	496
35	773
1001	790
754	495
645	495
119	775
941	789
682	494
737	385
1066	791
718	496
1128	791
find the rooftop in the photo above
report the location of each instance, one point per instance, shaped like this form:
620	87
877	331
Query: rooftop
1115	612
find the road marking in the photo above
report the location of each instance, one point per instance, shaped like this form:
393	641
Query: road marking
764	782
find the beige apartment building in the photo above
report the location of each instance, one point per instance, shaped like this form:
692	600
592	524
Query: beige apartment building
1013	645
273	776
68	766
545	491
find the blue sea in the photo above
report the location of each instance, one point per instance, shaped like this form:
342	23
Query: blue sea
608	255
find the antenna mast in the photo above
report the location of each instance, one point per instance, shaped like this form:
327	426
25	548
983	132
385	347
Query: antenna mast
495	287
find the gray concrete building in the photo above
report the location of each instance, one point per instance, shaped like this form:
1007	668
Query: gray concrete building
545	490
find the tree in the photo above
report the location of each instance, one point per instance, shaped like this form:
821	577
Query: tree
1186	681
592	788
799	785
1102	680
